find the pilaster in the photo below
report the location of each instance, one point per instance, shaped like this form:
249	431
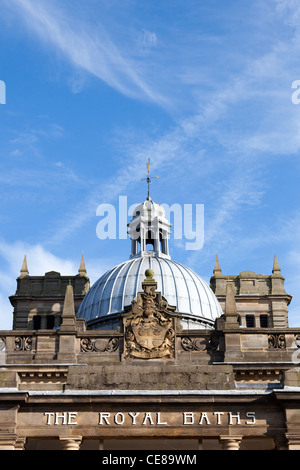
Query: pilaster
67	333
293	441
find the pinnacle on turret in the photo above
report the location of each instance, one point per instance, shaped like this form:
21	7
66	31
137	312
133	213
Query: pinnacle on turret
217	269
24	270
82	270
276	268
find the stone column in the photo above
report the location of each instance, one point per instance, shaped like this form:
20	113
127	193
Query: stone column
70	443
200	444
230	442
101	444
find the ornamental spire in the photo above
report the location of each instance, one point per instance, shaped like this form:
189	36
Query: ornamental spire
276	268
82	270
217	269
148	179
24	270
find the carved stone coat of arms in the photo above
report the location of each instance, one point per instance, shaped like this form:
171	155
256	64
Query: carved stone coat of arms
149	326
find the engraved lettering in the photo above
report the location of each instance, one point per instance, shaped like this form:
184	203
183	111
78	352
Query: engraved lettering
48	418
133	416
250	414
158	420
236	416
63	417
188	418
148	417
104	417
204	416
72	416
218	414
119	419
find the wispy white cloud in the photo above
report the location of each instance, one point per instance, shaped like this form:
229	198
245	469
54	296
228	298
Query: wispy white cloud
148	39
86	46
40	259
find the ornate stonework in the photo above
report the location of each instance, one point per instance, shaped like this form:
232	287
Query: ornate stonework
149	325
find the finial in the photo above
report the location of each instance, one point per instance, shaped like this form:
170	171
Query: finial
217	269
82	270
276	268
149	273
24	270
149	280
148	179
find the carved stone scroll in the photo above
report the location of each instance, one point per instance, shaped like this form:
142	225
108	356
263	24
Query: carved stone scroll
23	343
99	345
276	341
200	344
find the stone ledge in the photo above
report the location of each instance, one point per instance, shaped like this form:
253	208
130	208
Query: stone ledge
158	377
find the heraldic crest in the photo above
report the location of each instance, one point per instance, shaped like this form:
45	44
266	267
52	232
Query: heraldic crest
149	325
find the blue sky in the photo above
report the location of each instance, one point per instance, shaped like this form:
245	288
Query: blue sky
95	88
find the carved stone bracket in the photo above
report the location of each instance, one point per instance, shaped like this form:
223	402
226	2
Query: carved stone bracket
99	345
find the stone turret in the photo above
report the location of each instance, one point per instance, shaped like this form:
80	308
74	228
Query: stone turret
261	299
38	301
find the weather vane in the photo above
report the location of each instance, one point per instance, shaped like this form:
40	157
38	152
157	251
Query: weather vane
149	178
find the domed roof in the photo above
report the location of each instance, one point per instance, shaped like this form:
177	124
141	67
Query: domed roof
149	205
179	285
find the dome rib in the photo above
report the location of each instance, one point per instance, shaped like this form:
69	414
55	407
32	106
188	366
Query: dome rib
114	285
137	278
110	273
197	289
162	278
125	285
177	266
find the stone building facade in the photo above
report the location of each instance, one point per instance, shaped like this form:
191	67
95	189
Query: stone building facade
150	357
